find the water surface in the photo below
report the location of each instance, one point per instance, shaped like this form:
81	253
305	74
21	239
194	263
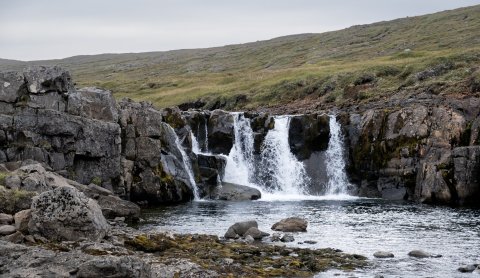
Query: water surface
360	226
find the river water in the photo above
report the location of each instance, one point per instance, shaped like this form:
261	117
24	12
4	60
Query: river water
360	226
354	225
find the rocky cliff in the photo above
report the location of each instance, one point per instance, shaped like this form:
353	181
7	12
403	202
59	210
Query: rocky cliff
86	136
423	146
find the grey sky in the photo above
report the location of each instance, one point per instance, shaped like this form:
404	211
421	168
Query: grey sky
47	29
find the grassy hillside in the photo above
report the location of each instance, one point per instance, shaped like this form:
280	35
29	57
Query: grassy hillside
360	63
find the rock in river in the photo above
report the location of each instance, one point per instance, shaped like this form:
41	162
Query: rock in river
236	192
240	228
292	224
383	254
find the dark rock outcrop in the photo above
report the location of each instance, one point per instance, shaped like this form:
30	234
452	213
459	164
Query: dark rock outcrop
308	134
220	132
411	152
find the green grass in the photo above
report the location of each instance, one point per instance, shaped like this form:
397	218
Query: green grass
326	68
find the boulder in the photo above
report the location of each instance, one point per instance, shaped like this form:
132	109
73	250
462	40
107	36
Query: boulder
7	230
422	254
467	268
291	224
67	214
113	266
22	218
287	238
113	206
255	233
5	219
383	254
240	228
236	192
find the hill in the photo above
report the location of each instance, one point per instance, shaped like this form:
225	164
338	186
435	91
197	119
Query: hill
360	64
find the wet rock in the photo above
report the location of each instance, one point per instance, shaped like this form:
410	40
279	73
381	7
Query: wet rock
287	238
7	230
383	254
276	237
249	239
236	192
308	134
255	233
466	162
5	219
21	220
67	214
240	228
310	242
422	254
220	132
291	224
467	268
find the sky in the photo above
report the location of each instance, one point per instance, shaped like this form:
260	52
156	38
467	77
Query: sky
52	29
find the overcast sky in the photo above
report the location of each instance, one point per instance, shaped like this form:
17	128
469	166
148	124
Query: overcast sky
47	29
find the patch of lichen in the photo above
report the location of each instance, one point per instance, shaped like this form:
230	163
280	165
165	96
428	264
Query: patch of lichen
247	260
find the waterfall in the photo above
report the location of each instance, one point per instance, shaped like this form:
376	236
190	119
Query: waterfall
240	160
195	145
187	164
280	169
337	178
206	137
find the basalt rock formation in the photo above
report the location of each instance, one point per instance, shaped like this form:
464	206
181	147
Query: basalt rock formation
84	135
417	146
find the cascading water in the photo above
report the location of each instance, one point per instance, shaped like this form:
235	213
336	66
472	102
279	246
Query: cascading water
206	137
195	145
187	164
337	178
240	160
281	172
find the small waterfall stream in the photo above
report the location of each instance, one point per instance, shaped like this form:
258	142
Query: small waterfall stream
187	164
337	177
240	161
280	170
276	171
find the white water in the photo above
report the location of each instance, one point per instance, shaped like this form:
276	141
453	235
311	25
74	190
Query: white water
206	137
240	160
195	145
187	164
281	172
278	174
337	178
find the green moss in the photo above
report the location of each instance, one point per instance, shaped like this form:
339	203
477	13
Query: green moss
14	200
259	260
96	181
3	177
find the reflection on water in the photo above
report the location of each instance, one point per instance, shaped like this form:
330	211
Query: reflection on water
360	226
